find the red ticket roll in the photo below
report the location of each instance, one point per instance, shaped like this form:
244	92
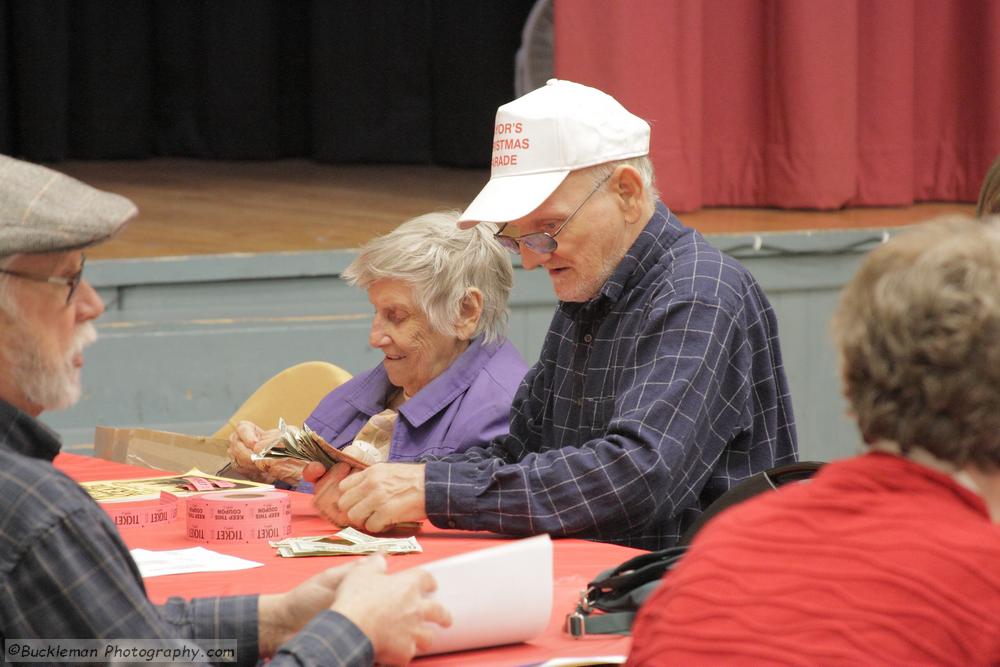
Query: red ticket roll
239	517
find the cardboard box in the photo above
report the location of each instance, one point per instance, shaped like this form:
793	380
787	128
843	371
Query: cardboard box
160	450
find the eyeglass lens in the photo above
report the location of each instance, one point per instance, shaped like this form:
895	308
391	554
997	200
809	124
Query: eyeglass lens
538	242
543	243
74	282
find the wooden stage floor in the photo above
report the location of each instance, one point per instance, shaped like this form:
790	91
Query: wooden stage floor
193	207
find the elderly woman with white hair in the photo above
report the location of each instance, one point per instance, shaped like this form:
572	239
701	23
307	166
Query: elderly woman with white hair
448	374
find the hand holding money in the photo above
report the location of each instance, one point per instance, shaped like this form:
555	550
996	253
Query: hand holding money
244	442
303	445
287	470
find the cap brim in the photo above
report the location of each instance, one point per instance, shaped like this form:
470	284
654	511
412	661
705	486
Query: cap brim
507	198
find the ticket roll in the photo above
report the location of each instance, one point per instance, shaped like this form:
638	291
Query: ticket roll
239	517
144	513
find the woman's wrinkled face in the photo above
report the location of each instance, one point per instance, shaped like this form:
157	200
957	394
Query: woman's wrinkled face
414	353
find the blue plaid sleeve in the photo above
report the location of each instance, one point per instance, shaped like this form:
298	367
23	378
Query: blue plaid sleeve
75	579
71	576
669	420
329	639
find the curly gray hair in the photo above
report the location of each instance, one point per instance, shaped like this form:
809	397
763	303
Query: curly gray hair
918	329
441	263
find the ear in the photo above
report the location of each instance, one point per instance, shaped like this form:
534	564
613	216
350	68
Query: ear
626	183
470	309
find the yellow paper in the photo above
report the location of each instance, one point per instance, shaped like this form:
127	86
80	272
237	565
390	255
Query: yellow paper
149	488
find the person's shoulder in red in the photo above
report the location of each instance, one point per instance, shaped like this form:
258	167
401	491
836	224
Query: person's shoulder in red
876	559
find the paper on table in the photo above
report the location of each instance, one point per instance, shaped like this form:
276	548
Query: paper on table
500	595
149	488
181	561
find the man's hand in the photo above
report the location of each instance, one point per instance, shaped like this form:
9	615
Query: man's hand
394	611
381	496
280	616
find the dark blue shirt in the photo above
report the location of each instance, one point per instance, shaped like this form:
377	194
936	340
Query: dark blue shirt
65	572
647	403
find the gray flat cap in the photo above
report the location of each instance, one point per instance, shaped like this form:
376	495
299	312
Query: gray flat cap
42	210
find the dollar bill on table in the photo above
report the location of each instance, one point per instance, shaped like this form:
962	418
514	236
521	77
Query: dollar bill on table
347	542
306	445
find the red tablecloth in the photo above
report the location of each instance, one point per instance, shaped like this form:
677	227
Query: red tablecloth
575	562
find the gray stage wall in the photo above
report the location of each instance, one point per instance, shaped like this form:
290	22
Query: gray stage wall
186	339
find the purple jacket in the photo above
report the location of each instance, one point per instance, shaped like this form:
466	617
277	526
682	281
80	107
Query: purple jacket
467	405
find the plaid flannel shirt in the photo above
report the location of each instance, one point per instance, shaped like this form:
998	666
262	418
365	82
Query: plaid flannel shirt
647	403
65	572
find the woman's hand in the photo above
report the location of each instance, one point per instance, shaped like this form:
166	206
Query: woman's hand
286	470
247	439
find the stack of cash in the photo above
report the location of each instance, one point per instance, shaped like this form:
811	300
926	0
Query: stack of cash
304	444
348	542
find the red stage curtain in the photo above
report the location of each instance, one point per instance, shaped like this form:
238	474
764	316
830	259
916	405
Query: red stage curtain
799	103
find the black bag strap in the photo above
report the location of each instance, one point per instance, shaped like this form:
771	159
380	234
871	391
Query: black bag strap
619	592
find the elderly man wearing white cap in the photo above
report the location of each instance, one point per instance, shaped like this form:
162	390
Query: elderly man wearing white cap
64	571
660	383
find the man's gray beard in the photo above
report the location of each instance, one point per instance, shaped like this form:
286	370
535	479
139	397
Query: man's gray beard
51	383
586	291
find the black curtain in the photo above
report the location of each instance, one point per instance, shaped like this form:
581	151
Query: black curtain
404	81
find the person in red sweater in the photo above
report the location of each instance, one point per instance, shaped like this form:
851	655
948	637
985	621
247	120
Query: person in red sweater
891	557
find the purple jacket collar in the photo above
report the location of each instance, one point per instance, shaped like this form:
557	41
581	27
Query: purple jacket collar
369	397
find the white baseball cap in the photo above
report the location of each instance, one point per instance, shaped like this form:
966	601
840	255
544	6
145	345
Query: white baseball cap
541	137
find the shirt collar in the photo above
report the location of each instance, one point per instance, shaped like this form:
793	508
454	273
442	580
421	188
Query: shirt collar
661	232
929	460
437	395
886	470
25	435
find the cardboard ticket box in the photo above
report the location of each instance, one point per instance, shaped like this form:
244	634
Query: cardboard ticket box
160	450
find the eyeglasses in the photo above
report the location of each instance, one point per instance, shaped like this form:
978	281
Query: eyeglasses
543	243
72	282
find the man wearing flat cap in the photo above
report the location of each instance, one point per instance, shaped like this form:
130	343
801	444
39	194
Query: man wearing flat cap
660	382
64	570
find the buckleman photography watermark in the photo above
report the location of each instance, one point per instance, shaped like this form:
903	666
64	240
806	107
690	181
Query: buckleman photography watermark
118	650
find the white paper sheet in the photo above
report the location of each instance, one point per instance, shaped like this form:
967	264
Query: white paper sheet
182	561
500	595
